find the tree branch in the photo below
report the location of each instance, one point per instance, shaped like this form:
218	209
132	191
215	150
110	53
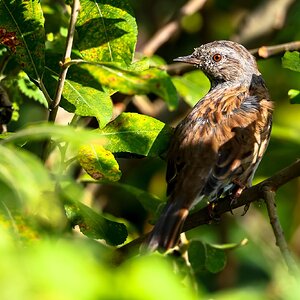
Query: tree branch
171	28
66	58
267	51
204	215
269	196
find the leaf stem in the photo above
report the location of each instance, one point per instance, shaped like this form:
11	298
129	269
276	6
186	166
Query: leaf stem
66	58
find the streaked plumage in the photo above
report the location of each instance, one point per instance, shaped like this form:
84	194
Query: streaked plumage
218	146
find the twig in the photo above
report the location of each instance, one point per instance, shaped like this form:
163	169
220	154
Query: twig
53	106
166	32
269	196
204	215
66	58
267	51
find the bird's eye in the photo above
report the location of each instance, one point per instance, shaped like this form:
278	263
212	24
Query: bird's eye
217	57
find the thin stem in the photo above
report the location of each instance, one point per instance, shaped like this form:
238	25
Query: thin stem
66	58
267	51
269	197
53	106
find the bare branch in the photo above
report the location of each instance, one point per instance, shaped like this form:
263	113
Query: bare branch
269	197
166	32
267	51
66	58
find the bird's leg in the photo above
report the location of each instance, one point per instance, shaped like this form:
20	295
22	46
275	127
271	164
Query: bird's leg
211	210
236	193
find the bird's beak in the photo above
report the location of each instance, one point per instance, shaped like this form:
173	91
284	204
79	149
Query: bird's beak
190	59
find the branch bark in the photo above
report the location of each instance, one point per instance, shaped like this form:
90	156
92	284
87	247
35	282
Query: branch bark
269	197
204	216
66	58
267	51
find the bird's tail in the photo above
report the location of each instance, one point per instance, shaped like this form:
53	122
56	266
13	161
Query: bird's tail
166	231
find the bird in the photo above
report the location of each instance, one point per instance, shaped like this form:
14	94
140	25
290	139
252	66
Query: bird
217	147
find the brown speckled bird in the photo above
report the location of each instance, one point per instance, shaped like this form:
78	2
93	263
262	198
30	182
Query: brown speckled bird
218	146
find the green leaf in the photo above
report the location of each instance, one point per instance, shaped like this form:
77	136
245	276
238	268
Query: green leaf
149	201
135	133
192	86
215	259
30	182
205	257
128	82
99	163
29	89
58	133
294	96
291	60
82	94
93	225
89	101
107	31
23	21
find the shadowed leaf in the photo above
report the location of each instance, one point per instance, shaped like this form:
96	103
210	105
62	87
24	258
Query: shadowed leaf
23	21
129	82
95	226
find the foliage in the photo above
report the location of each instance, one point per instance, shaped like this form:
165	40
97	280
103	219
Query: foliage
75	190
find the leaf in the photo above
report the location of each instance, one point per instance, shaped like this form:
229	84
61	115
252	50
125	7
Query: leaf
89	101
24	173
22	31
129	82
32	186
58	133
294	96
99	163
29	89
135	133
291	60
107	31
82	94
192	86
205	257
149	201
215	259
93	225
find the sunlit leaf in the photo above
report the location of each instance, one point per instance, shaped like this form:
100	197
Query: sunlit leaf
22	31
99	163
107	31
89	101
82	94
294	96
291	60
135	133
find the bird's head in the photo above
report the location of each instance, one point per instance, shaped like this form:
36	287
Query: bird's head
223	61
